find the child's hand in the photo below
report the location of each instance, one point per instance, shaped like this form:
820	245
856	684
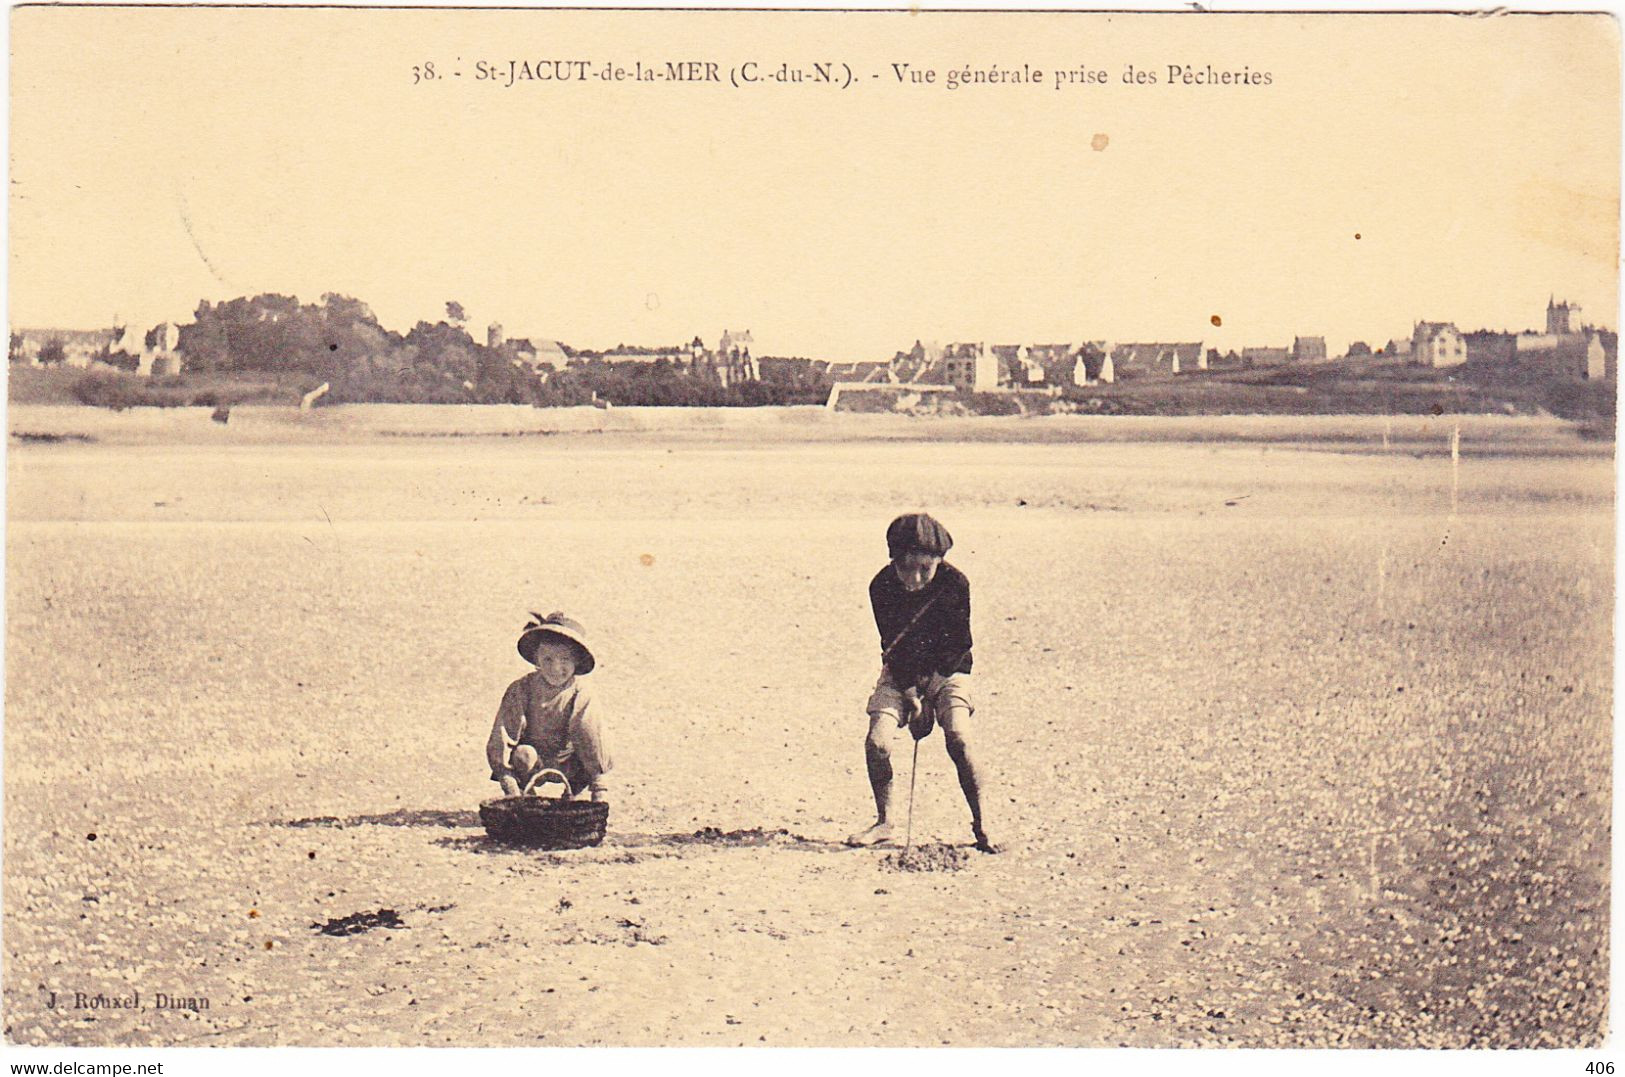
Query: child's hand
911	708
510	787
922	722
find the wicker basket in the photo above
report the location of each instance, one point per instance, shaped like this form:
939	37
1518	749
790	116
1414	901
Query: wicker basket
545	823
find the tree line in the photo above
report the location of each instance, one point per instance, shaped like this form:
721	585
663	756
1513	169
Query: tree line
339	341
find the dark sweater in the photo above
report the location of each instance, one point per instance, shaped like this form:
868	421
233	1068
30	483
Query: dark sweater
939	640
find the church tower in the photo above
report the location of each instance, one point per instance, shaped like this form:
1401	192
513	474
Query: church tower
1562	318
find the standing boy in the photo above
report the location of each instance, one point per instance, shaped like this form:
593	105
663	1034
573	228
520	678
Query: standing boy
922	609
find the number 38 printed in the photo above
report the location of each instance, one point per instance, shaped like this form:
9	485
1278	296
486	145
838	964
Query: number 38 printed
423	72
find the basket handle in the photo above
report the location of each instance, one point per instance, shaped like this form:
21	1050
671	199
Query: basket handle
536	778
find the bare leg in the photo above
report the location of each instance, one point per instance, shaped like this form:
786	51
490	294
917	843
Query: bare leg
581	781
877	755
956	731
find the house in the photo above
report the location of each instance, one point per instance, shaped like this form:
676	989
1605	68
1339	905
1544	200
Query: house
1230	360
1128	359
922	352
916	364
1437	344
79	346
970	366
1067	370
734	364
790	370
155	353
1014	368
1397	348
1024	365
738	370
1308	349
1578	356
522	353
1252	357
129	340
1072	367
1089	364
1485	346
1047	357
861	371
160	354
549	355
927	363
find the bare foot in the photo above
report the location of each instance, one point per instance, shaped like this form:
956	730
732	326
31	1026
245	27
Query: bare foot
879	834
984	843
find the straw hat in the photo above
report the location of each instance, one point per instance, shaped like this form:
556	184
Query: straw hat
556	624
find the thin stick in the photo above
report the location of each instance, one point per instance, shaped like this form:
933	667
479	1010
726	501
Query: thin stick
908	831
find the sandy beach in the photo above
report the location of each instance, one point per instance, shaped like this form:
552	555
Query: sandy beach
1298	739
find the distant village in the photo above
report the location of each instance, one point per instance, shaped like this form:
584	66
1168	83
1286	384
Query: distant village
1567	348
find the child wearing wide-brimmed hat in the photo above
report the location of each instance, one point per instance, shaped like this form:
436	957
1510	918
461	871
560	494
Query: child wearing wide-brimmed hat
922	609
547	721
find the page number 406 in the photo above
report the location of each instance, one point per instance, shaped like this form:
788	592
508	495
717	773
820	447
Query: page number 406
1602	1069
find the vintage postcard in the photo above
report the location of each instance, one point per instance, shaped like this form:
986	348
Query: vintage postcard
809	528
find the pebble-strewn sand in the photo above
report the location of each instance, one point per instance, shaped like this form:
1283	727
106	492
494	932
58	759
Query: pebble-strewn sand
1292	747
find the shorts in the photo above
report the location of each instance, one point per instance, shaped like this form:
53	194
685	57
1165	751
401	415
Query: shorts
940	694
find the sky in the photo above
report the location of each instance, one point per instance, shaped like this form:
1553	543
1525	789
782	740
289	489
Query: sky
1395	168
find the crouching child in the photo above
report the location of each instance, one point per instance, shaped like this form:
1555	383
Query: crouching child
547	721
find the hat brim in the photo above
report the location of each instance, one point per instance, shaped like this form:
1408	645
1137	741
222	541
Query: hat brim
531	638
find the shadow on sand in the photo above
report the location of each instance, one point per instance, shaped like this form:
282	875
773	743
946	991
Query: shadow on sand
400	817
632	846
618	847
